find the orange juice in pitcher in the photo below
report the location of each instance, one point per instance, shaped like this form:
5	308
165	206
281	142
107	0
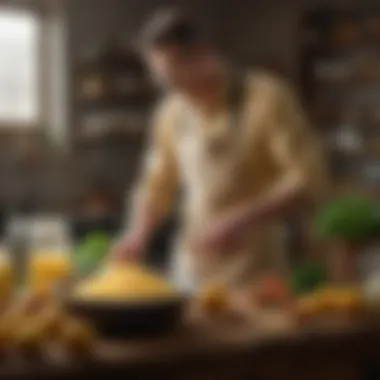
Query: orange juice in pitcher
49	256
47	269
6	276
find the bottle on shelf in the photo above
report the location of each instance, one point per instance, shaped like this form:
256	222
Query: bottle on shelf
348	138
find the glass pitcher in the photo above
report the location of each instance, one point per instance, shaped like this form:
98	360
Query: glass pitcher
6	275
49	256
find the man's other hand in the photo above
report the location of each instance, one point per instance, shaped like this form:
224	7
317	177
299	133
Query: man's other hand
130	248
224	234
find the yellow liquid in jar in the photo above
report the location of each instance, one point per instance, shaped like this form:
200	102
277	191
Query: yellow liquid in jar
6	278
47	269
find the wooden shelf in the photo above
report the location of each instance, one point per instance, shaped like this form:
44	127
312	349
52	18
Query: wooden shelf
118	84
341	79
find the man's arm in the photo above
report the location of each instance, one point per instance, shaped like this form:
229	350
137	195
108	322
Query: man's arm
296	151
152	198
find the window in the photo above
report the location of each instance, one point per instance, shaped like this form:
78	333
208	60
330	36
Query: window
20	42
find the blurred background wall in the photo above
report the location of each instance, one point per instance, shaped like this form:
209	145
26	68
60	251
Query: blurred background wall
58	168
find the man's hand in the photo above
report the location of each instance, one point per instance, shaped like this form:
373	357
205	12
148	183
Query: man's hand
131	247
228	230
226	233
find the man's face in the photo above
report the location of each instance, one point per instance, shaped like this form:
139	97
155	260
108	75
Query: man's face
177	68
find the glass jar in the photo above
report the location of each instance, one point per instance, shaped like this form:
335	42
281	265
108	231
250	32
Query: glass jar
49	256
6	275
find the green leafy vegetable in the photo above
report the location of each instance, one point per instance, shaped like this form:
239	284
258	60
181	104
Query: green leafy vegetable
307	278
91	251
353	219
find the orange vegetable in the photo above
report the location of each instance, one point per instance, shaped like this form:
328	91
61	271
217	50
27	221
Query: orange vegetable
272	290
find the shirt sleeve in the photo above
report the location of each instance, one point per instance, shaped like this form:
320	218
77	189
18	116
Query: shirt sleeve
157	185
295	146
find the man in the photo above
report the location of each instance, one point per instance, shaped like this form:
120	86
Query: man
236	144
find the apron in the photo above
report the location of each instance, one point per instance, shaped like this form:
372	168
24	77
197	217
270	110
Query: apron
216	158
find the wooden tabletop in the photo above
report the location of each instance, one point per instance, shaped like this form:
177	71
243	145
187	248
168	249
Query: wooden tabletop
194	351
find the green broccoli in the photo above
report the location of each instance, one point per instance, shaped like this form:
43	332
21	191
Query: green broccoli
352	219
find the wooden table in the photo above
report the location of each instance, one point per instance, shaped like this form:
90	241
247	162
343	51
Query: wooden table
236	353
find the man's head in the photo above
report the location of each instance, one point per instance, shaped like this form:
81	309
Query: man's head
177	52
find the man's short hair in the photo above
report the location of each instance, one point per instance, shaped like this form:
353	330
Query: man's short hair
170	27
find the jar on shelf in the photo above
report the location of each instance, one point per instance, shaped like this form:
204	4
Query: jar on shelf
348	137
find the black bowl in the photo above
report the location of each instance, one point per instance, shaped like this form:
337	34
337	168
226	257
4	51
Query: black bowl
120	320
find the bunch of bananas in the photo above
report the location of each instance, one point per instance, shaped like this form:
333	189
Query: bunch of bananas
31	324
330	301
213	298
